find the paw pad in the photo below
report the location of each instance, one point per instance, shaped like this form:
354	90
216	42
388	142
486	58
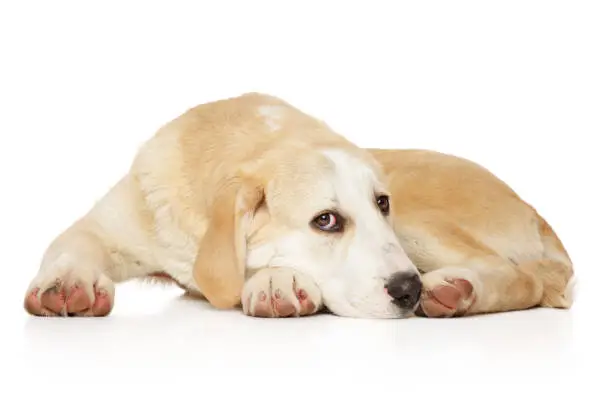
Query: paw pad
59	300
450	298
280	293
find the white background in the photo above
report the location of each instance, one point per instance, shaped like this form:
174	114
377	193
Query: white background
522	87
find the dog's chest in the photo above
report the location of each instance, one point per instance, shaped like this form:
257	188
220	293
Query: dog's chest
175	252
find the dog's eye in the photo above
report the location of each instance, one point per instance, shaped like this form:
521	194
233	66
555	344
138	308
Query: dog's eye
328	221
383	204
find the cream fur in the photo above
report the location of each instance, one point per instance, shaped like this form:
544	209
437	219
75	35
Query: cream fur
220	201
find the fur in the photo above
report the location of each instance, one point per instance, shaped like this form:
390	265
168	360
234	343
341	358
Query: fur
222	200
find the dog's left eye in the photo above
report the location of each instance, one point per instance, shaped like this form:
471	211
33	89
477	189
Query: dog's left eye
383	204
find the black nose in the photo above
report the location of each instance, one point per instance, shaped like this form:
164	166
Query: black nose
405	289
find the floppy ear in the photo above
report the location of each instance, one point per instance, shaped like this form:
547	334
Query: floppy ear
219	269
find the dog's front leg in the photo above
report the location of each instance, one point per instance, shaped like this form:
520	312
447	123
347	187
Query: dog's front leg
280	292
73	278
81	265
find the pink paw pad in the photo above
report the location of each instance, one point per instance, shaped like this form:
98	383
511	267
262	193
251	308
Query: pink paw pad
278	305
449	299
63	301
262	306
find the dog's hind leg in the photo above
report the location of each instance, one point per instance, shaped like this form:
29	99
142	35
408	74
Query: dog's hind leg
463	276
485	284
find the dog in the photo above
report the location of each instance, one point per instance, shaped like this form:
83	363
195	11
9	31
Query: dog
250	202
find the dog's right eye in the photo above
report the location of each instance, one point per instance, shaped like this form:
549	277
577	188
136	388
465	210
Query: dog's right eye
329	222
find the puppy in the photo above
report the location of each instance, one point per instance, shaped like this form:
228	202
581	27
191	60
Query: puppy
245	201
251	188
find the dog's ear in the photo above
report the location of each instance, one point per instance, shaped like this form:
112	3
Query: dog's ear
219	269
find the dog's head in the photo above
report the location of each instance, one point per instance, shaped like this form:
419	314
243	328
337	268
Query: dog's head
323	212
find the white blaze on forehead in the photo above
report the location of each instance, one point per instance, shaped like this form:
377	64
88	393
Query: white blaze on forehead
374	243
354	181
273	116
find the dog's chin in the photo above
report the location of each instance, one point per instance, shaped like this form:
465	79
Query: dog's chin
387	311
407	312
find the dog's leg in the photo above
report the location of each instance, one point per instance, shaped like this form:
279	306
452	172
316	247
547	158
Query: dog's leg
73	277
490	284
280	292
79	268
463	275
483	285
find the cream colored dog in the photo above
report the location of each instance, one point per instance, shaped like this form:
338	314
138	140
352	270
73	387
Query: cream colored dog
250	201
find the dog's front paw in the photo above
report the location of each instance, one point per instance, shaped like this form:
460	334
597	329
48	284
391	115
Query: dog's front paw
67	292
280	292
446	293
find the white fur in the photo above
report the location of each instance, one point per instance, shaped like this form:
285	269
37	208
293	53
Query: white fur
273	115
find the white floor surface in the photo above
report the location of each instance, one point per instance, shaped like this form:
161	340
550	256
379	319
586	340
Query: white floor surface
158	343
